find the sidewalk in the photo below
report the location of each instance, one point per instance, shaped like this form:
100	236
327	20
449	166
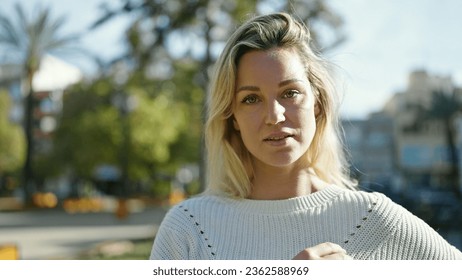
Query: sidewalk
55	234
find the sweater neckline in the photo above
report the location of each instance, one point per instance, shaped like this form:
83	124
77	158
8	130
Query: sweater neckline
293	204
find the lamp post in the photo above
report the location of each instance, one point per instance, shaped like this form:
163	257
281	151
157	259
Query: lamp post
125	104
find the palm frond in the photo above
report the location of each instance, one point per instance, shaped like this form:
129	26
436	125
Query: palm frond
9	34
51	45
32	35
22	18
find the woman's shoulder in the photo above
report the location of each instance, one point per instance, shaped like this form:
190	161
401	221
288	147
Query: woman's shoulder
362	196
196	205
369	196
201	201
387	210
374	203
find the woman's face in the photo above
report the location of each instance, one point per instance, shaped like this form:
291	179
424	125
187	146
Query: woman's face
274	107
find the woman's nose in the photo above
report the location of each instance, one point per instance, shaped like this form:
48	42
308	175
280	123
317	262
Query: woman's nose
275	113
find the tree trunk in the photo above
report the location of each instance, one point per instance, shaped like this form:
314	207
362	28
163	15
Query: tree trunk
28	173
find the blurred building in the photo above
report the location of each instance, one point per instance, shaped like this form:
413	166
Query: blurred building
370	144
405	150
49	83
403	145
423	154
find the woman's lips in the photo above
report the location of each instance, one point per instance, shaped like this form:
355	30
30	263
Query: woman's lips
277	137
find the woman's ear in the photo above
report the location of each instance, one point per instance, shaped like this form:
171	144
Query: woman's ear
317	102
317	109
235	124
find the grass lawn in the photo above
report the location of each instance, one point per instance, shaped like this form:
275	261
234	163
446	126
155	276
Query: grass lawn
120	250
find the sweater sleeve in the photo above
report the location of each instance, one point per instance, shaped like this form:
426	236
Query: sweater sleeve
173	239
413	239
169	244
178	237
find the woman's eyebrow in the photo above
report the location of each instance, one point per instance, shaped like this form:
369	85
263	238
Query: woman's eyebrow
290	81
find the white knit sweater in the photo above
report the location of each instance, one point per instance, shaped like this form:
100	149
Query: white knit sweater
366	225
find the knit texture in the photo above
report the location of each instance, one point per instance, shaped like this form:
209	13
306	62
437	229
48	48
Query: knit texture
366	225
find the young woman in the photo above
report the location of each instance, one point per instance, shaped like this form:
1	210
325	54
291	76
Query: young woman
278	186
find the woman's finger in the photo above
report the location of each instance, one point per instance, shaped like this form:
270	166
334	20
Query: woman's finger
327	250
337	256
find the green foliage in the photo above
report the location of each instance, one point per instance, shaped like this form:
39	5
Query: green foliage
12	142
46	166
155	124
187	147
88	134
92	128
161	189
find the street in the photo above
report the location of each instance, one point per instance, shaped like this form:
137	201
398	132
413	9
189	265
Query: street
55	234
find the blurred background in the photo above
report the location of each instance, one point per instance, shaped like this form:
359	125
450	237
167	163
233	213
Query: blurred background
102	106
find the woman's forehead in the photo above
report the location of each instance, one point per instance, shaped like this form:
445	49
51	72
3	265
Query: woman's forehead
275	65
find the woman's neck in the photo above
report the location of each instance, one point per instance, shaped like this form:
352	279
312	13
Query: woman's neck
272	183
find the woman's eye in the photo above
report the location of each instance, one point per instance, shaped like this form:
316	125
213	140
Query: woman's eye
290	93
251	99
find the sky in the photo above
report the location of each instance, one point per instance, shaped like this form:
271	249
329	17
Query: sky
386	40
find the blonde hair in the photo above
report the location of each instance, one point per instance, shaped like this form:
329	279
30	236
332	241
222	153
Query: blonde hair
229	162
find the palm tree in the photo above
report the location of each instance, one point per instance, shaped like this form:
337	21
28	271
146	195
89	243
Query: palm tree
27	39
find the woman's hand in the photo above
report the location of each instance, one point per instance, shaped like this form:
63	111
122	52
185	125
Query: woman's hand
323	251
